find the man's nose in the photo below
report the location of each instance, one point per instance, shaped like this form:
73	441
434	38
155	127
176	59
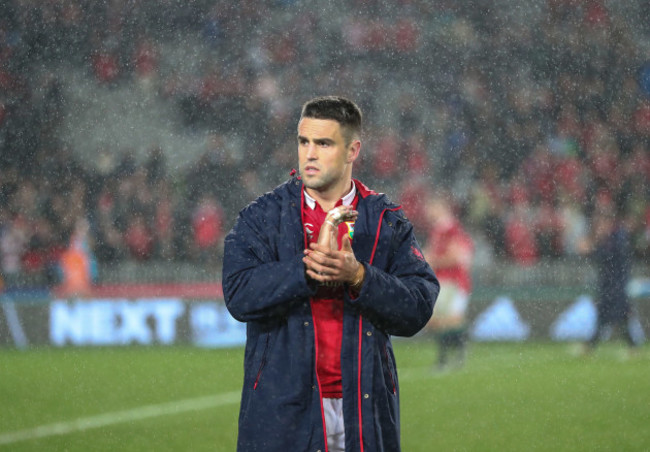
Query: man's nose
312	154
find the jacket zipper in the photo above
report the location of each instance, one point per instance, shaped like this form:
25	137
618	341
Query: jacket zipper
313	322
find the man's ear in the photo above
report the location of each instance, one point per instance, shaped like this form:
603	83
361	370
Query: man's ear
353	150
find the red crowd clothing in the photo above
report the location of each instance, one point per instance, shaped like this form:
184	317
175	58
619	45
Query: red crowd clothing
520	242
207	224
106	67
411	196
327	310
441	238
139	239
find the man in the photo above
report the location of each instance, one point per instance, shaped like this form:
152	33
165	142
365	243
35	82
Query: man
609	248
450	250
319	367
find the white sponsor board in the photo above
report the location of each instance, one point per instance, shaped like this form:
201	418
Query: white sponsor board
147	321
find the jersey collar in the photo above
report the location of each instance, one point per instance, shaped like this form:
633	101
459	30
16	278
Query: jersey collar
346	200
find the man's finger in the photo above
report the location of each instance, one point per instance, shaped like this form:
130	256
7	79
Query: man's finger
320	248
315	275
329	259
319	267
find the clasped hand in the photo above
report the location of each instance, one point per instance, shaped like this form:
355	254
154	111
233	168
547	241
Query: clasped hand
326	266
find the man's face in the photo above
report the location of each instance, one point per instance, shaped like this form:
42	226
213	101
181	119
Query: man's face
325	160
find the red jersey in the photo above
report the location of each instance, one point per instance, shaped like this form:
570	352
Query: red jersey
441	238
327	310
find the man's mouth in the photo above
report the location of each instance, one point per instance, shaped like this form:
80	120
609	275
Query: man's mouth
311	170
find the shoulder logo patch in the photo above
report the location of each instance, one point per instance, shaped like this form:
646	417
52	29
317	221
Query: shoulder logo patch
417	253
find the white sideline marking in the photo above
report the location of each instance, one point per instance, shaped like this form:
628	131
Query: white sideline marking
117	417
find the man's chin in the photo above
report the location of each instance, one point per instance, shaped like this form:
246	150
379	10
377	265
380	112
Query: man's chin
312	183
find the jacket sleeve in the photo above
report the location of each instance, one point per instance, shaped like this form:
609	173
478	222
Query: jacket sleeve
399	300
257	285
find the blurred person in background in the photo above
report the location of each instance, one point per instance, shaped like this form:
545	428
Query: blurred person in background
519	235
449	251
77	263
609	248
574	225
207	226
138	238
320	371
13	243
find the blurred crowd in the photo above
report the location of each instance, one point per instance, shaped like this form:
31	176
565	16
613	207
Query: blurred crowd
531	116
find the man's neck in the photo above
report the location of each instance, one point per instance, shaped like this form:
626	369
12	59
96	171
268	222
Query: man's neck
328	200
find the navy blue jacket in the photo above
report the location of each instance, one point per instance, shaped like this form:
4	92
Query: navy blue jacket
265	286
613	259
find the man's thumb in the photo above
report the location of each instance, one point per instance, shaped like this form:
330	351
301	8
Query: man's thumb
345	243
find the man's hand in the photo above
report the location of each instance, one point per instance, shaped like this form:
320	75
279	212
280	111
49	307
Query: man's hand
326	266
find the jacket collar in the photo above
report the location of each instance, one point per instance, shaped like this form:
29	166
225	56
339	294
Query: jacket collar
362	189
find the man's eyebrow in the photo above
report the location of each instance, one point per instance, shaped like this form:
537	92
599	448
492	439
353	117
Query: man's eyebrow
317	140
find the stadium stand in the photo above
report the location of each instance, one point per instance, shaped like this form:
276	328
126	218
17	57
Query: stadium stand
157	121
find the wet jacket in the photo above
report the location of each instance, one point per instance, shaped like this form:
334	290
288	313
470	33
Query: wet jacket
265	286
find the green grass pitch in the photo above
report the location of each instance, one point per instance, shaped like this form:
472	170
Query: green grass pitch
508	397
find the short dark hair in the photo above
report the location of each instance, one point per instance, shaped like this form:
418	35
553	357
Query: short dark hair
336	108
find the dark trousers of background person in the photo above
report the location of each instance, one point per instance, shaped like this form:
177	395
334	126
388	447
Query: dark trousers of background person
623	317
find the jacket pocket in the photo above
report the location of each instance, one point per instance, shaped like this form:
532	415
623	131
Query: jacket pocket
262	362
389	368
